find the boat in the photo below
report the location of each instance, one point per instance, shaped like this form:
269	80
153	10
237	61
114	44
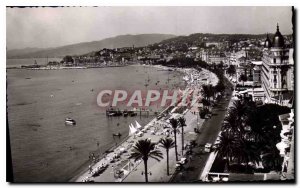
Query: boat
138	126
70	121
117	134
133	114
125	113
117	113
132	130
111	114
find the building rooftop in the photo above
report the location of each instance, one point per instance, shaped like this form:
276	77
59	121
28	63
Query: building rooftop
278	39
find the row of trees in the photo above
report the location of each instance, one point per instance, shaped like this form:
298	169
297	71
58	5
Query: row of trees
250	133
145	149
231	70
209	91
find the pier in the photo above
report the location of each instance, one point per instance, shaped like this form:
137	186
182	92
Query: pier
125	113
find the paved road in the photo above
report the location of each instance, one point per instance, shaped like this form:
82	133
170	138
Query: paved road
209	132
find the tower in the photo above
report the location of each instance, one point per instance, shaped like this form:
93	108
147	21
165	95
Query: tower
277	70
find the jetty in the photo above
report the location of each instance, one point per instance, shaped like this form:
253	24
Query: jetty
133	112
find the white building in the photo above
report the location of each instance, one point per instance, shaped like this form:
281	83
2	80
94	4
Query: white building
277	71
286	146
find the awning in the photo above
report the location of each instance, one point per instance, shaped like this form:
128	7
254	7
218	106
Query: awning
282	145
243	92
284	117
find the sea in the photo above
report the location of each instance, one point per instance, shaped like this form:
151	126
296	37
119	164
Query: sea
30	61
43	148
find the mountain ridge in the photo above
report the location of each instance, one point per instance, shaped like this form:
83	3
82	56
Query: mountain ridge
86	47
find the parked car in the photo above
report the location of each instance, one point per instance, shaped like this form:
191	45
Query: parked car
183	160
207	147
218	140
180	163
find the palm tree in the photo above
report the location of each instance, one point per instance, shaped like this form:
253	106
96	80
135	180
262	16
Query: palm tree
271	158
174	124
205	103
239	108
219	88
145	149
257	122
231	70
239	112
230	124
182	125
212	91
167	143
248	152
243	78
227	147
205	91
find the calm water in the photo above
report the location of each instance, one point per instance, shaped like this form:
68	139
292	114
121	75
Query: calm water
19	62
39	101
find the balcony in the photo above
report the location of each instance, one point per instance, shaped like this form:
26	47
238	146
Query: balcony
277	89
282	63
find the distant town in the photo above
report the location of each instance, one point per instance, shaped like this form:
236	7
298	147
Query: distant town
246	123
225	49
261	70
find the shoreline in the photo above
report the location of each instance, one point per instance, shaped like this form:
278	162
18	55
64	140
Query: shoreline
64	68
84	170
84	167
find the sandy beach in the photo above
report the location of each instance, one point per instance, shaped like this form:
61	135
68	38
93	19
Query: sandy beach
106	169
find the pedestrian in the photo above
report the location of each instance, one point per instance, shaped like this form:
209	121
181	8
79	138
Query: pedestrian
90	169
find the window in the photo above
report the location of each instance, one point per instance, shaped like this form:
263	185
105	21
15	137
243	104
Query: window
275	81
284	80
274	60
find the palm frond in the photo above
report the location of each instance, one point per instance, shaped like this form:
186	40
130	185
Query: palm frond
144	149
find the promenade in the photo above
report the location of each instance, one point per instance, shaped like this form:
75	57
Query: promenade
159	169
209	133
133	171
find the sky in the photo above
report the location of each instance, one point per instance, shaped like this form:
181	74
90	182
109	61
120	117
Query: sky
52	27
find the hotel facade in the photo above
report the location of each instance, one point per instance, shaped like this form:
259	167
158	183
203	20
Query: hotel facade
277	74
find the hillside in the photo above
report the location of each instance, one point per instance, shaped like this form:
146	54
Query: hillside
198	38
20	52
86	47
